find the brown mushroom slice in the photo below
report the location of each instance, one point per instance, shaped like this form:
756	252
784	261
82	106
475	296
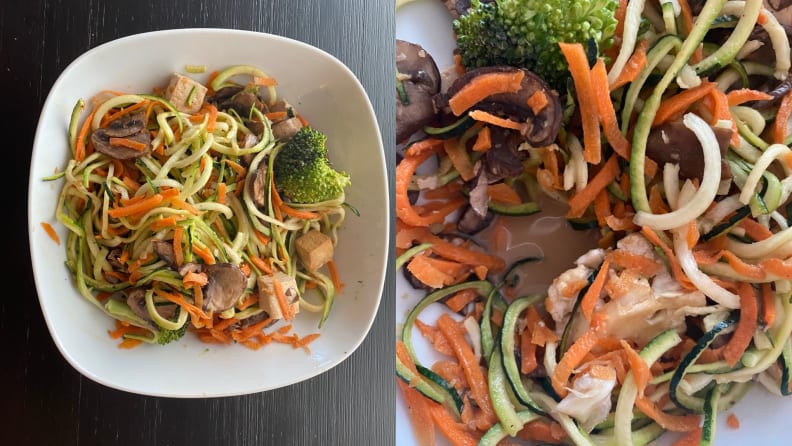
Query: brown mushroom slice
164	249
286	129
417	72
114	259
136	300
226	283
101	141
781	9
673	142
539	129
127	125
259	186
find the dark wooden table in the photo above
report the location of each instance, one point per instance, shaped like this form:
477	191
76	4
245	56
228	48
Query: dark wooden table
46	402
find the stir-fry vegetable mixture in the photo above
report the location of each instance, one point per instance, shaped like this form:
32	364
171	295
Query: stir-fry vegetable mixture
663	128
206	208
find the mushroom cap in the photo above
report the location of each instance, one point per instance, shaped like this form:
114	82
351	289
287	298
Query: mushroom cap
226	283
421	79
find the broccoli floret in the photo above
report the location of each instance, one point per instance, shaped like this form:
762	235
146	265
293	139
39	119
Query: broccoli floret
526	33
302	171
168	336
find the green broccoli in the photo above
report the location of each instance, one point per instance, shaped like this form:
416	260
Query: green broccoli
525	33
167	336
302	171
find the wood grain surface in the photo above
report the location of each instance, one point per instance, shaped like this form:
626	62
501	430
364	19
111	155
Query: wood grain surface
44	400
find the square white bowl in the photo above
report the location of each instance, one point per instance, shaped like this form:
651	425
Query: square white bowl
329	95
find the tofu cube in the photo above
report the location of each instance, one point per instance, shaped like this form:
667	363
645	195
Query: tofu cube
185	94
314	249
268	300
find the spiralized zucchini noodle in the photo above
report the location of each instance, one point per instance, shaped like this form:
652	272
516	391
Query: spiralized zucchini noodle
673	149
175	221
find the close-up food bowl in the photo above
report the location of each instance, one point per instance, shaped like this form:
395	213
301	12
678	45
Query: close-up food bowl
330	97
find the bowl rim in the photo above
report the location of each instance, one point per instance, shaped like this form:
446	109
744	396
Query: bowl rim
383	267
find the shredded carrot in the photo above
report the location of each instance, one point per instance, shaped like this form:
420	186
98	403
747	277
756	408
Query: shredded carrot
478	383
673	423
743	95
768	305
420	414
204	253
589	299
489	118
589	116
732	421
692	438
178	253
448	426
137	208
164	222
265	81
581	200
454	252
461	299
286	308
779	131
428	273
331	267
640	369
195	278
460	158
676	268
210	125
543	431
677	104
222	189
620	14
433	335
746	326
79	147
607	115
458	67
634	66
405	210
484	86
50	232
503	193
419	147
483	140
537	102
278	202
128	143
574	356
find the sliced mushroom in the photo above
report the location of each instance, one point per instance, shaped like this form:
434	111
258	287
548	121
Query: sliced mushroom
101	141
673	142
539	129
471	222
259	186
164	249
127	125
114	259
226	283
136	300
417	72
503	160
781	9
286	129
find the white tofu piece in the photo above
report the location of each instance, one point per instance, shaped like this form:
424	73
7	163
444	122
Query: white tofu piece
268	300
178	93
314	249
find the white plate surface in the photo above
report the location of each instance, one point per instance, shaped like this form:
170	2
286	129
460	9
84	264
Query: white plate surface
329	95
764	418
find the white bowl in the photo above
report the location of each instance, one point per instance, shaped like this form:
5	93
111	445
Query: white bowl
329	95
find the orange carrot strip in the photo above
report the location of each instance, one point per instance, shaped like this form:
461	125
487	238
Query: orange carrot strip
589	299
222	190
129	343
581	200
460	158
746	326
331	267
448	426
195	278
575	356
204	253
79	147
781	122
140	207
405	210
589	117
483	140
286	309
261	264
542	431
755	230
635	64
673	423
732	421
288	210
179	300
210	125
677	104
427	273
610	125
528	361
265	81
419	147
484	86
503	193
537	102
621	12
461	299
676	268
454	252
602	207
178	253
743	95
50	232
646	266
164	222
276	116
450	190
692	438
741	267
420	415
640	369
768	305
128	143
489	118
478	384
